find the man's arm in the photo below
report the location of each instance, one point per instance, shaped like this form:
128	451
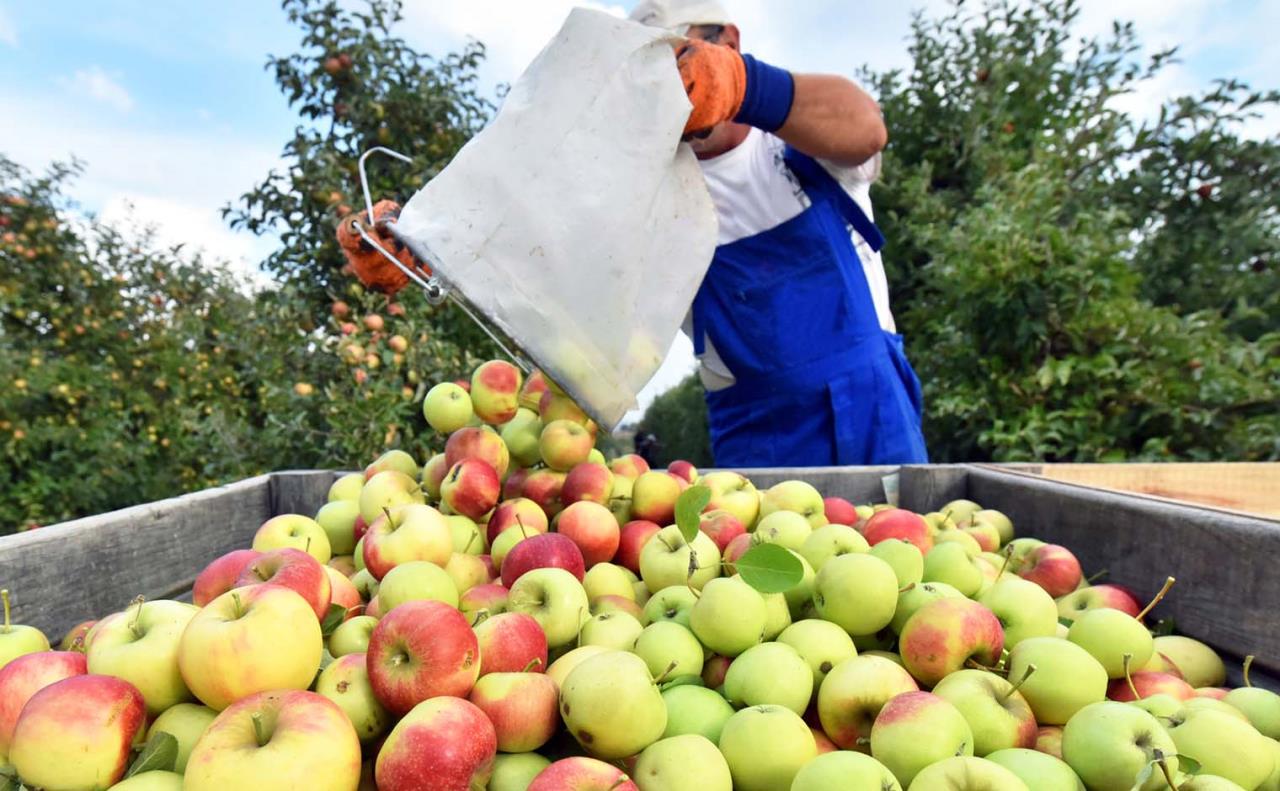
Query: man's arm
832	118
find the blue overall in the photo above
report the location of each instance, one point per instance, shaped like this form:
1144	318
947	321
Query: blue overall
817	381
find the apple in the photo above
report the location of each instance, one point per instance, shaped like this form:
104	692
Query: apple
1148	684
468	537
839	511
1260	707
736	549
556	600
916	729
944	635
592	528
1109	635
951	563
821	644
672	603
1159	663
477	442
683	470
777	616
898	523
392	460
853	694
564	444
384	491
845	771
616	630
857	592
612	603
798	497
904	558
961	511
785	528
432	477
515	771
698	710
417	580
1052	567
346	487
1199	664
346	682
186	723
489	599
516	512
77	732
587	482
683	763
653	497
140	645
1002	523
411	532
25	676
1038	770
669	650
445	739
352	636
611	705
1049	740
543	487
831	541
249	640
629	466
729	617
1067	678
521	706
971	546
1023	607
732	492
667	559
521	435
939	523
606	579
293	531
558	406
420	650
73	640
765	747
1108	744
467	571
721	526
345	565
770	673
965	772
998	715
581	774
471	488
374	609
293	569
799	597
509	643
532	389
565	664
365	584
447	407
714	670
495	391
543	550
507	541
220	576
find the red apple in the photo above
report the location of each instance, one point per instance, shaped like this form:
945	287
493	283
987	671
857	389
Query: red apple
715	669
722	527
523	707
343	592
295	570
531	392
554	406
220	576
587	482
475	442
511	642
433	474
1217	693
443	743
420	650
1148	684
840	511
545	550
631	540
582	774
564	444
495	390
75	638
683	470
1053	568
519	511
471	488
629	466
25	676
513	486
734	550
653	497
592	527
359	528
898	523
611	602
410	532
491	599
944	634
1049	740
543	487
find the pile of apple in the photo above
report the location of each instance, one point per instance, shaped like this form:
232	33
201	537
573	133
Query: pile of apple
518	614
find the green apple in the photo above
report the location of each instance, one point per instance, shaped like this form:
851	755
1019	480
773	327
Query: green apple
916	729
155	780
365	584
346	487
769	673
964	773
1002	523
853	694
831	541
562	665
669	649
447	407
1272	783
392	460
821	644
845	771
938	522
1197	703
1067	678
682	763
1224	746
970	544
1038	770
694	709
294	531
998	715
667	559
415	581
352	636
797	496
1108	744
784	528
1199	664
1108	635
506	541
140	645
611	706
903	557
1024	609
616	630
346	682
338	520
386	490
468	537
951	563
357	557
515	771
766	746
466	572
1260	706
918	596
732	492
729	617
607	579
521	434
777	616
857	592
186	723
800	596
1208	783
672	603
555	599
961	511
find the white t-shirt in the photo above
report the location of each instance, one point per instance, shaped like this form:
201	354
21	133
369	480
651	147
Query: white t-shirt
753	191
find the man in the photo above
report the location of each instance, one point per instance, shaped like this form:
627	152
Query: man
798	349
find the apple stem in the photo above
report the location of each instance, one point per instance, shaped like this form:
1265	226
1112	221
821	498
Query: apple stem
470	541
137	616
1128	658
1168	583
387	513
862	741
4	596
1248	662
520	523
532	664
1026	675
259	730
909	587
1164	769
1008	556
235	597
976	665
663	677
1097	576
622	779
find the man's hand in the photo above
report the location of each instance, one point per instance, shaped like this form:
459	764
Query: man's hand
715	79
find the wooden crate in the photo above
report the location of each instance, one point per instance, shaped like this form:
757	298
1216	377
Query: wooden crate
1226	594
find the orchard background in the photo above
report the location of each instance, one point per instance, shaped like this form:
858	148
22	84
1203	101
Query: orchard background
1073	284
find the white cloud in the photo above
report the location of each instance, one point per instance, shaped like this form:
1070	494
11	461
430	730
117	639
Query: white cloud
8	31
96	84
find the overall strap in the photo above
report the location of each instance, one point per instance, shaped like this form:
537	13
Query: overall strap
818	183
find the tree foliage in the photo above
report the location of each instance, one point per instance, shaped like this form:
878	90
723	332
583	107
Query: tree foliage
678	418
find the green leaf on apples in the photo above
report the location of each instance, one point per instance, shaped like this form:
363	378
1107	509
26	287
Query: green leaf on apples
1066	621
160	755
770	568
336	615
1144	776
10	783
681	681
1164	627
1188	764
689	507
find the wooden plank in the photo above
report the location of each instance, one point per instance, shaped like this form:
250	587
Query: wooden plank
301	491
1243	487
87	568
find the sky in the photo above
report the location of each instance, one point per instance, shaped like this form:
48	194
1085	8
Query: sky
170	110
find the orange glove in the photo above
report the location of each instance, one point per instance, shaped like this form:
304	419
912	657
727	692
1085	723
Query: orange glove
373	269
715	78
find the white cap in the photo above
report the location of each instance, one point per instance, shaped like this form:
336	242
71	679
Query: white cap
679	15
